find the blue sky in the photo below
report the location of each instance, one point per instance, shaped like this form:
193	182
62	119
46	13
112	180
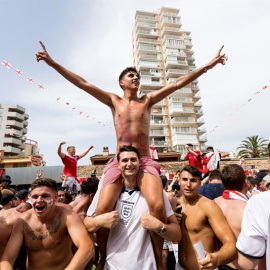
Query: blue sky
93	39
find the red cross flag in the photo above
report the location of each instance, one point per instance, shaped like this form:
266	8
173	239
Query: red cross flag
40	86
73	108
6	64
57	99
30	80
67	103
18	72
80	113
265	87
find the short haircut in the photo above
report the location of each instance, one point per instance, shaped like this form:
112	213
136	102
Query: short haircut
127	148
90	185
44	182
190	144
211	148
215	174
68	197
233	177
125	71
71	146
192	170
164	180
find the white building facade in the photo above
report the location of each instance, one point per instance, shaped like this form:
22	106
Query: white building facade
13	128
162	52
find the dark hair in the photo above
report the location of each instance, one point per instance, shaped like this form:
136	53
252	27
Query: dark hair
190	144
68	198
44	182
215	174
233	177
164	180
127	148
210	148
90	185
192	170
125	71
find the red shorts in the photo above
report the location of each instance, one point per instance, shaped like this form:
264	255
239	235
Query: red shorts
112	172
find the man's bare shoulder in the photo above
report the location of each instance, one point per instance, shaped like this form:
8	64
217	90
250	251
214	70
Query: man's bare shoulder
10	215
207	205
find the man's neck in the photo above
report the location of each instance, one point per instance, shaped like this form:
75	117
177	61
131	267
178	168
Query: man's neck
191	200
130	182
130	95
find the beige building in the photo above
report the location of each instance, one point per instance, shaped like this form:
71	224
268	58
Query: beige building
162	52
13	128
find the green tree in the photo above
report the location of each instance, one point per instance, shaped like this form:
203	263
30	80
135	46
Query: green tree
253	147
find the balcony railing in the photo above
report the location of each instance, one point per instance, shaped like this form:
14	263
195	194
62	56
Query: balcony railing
158	122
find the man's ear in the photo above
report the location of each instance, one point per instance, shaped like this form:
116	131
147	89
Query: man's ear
121	83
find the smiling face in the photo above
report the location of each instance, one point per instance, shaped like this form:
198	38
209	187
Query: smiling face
130	80
43	199
189	184
71	150
129	164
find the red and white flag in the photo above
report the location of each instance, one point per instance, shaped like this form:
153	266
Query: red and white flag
18	72
30	80
6	64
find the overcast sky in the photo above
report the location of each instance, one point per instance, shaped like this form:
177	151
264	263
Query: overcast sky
93	39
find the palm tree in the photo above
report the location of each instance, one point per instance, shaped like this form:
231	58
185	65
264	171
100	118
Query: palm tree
253	147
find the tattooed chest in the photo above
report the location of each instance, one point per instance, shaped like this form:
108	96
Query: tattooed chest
44	237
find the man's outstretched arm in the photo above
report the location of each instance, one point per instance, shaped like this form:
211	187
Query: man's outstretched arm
86	152
157	96
99	94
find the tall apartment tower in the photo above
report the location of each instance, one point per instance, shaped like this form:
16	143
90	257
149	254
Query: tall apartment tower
13	128
162	52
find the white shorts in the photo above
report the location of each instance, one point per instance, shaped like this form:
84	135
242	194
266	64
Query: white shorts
73	185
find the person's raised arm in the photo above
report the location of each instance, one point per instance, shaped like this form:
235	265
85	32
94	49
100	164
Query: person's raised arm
13	246
59	151
86	152
75	79
81	239
156	96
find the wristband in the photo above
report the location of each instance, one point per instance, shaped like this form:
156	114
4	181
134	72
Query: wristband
204	69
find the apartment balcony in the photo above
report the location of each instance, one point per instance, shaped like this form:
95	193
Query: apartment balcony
174	64
175	37
13	123
149	64
202	139
143	25
179	111
158	123
159	143
172	73
183	131
174	45
148	49
149	73
157	133
198	104
198	112
145	18
24	131
197	97
183	92
180	55
12	150
147	34
183	100
201	131
200	122
16	108
159	104
188	44
26	116
148	40
157	112
171	22
12	141
16	116
151	82
25	123
183	121
171	31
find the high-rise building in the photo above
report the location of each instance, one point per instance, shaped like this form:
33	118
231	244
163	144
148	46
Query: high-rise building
162	52
13	128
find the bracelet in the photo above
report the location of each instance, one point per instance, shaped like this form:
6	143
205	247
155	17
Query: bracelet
163	229
204	69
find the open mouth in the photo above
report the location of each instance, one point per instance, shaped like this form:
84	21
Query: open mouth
40	208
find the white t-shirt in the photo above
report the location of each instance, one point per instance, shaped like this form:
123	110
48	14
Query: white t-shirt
129	244
254	238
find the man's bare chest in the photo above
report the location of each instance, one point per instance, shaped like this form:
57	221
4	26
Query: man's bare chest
45	236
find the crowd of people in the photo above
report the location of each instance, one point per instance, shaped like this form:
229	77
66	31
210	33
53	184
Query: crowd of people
131	218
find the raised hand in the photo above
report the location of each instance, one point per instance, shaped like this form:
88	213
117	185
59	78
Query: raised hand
219	58
43	55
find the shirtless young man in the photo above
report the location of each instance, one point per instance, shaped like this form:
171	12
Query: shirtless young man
131	116
233	201
202	220
48	232
70	161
